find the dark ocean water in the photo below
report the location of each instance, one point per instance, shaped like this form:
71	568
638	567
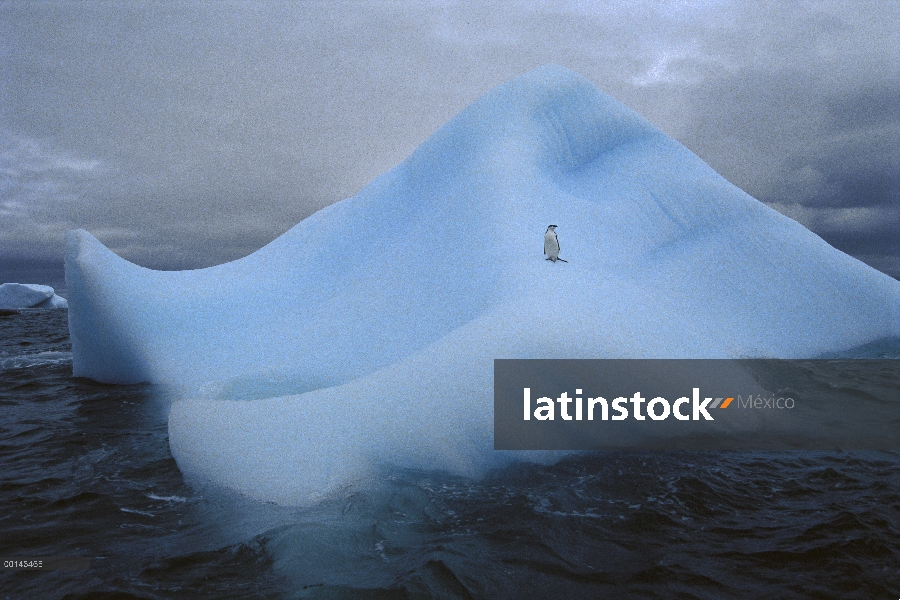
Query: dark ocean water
86	471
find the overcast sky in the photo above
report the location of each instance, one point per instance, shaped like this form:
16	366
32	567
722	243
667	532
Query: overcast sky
187	134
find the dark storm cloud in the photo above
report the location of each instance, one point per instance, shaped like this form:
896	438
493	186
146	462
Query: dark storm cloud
782	138
817	137
185	134
871	107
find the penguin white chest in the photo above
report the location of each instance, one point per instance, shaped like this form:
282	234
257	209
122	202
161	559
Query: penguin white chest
551	245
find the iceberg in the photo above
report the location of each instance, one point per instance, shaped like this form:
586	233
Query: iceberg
29	295
366	333
54	301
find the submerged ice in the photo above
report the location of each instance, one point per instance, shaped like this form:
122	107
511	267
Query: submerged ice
367	333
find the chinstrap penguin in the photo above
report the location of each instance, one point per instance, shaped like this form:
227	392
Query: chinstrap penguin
551	244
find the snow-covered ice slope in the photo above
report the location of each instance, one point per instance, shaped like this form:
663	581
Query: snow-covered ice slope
367	332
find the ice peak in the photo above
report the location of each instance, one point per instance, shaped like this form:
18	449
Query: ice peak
344	343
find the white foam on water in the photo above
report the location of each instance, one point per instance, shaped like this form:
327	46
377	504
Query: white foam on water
38	359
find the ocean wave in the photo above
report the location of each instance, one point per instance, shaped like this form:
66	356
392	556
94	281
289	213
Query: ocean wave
39	359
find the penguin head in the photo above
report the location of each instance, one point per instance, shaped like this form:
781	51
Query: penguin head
551	228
